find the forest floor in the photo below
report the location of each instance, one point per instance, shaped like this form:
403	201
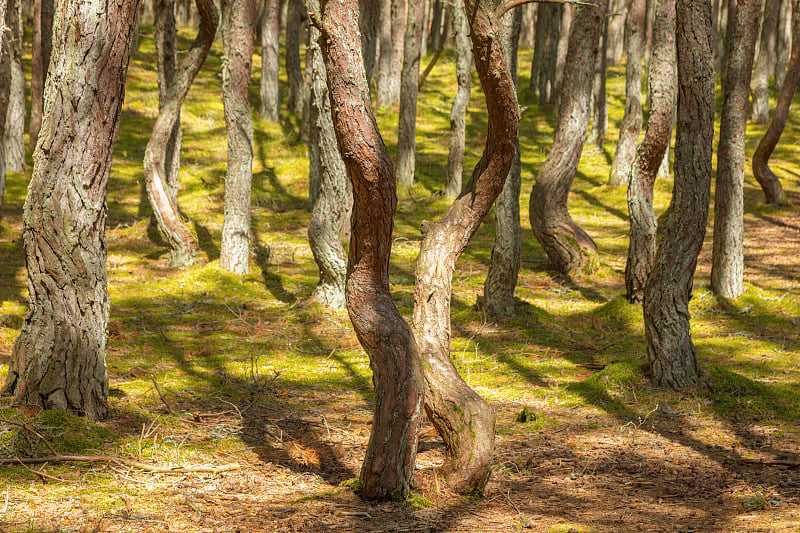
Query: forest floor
258	381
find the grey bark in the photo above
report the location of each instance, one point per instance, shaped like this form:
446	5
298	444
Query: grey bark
458	113
40	61
409	90
270	60
13	139
764	63
296	18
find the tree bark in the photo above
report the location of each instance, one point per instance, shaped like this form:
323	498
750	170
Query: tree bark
615	34
670	352
13	138
632	120
5	88
409	90
270	60
398	27
384	80
599	108
238	25
543	67
369	26
783	42
40	61
569	248
561	50
766	178
458	113
58	360
650	155
764	63
166	40
296	17
728	254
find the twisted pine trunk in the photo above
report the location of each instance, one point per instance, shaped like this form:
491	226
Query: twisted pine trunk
409	90
458	113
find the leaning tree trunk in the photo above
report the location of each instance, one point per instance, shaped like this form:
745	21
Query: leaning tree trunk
458	113
501	281
569	248
670	352
728	255
13	136
632	120
40	61
764	63
5	87
270	60
409	90
769	182
650	155
238	25
58	360
160	156
294	64
599	108
397	374
369	26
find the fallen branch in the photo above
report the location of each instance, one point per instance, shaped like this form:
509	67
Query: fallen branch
210	469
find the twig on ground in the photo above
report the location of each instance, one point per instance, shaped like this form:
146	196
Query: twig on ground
32	431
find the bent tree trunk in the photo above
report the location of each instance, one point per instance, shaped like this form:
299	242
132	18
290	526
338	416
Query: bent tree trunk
13	136
463	419
765	61
649	157
40	61
770	184
728	255
569	248
238	27
670	352
409	90
58	360
458	113
160	156
270	60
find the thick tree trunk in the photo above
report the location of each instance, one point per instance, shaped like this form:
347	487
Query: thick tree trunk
599	109
270	60
296	17
670	352
409	90
632	120
650	155
458	113
43	11
13	138
765	63
238	25
384	80
728	255
569	248
369	26
766	178
58	360
783	43
160	156
501	281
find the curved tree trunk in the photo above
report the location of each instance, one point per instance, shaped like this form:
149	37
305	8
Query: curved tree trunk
650	155
409	90
764	63
728	255
766	178
43	11
13	136
238	25
599	108
670	352
369	26
270	60
458	113
58	360
632	120
569	248
160	156
501	281
296	17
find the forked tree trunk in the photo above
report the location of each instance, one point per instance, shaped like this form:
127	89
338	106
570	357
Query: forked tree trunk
632	120
670	352
369	26
769	182
569	248
238	25
43	11
270	60
728	255
458	113
160	156
384	82
409	90
650	155
501	281
764	63
599	108
296	16
58	360
13	136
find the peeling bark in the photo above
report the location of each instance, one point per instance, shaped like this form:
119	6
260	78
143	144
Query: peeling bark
458	113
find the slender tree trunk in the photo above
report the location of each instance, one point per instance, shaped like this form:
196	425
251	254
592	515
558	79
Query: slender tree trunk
528	25
294	65
167	58
458	113
728	255
13	139
58	360
384	81
40	61
670	352
615	33
561	50
650	155
766	178
369	26
783	42
543	68
501	281
409	90
764	63
5	88
238	21
270	60
159	155
599	109
569	248
398	42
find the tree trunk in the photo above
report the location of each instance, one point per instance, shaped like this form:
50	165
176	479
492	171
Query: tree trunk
615	36
632	120
569	248
458	113
783	42
599	108
43	11
270	60
160	156
764	63
238	25
369	26
296	16
384	83
167	58
528	26
398	28
561	50
766	178
409	90
728	255
543	68
501	281
5	88
13	139
58	360
670	352
650	155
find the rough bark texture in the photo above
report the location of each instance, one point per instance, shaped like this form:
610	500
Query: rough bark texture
13	139
501	281
670	352
385	80
458	113
270	60
632	120
569	248
296	17
160	155
728	255
58	360
238	25
40	60
394	358
599	108
409	90
650	155
769	182
369	26
764	63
